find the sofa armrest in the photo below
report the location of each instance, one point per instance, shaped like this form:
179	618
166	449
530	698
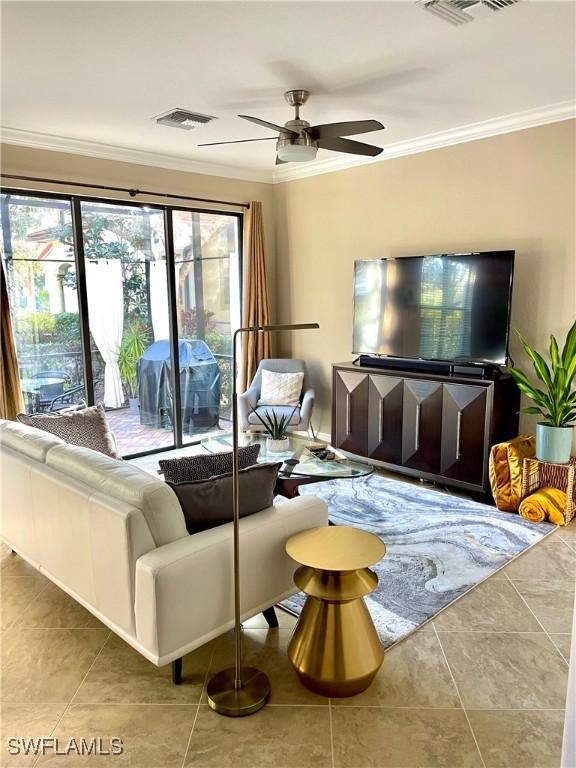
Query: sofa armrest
184	590
247	401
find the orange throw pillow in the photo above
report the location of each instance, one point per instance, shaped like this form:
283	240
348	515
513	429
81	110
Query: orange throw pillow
505	470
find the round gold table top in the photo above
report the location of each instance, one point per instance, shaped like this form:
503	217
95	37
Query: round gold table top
335	548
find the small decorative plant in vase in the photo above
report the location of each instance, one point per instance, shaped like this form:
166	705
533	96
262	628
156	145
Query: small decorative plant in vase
555	401
276	428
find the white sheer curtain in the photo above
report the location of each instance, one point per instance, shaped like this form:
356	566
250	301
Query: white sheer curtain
159	300
106	312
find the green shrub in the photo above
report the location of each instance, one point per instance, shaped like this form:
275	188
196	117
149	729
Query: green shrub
67	331
35	328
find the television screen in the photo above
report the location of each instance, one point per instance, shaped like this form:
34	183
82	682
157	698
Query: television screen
442	307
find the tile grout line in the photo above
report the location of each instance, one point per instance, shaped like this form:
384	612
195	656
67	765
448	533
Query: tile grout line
12	624
570	547
67	707
204	686
544	630
459	697
331	730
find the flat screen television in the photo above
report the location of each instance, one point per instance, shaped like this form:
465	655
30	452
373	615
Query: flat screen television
449	306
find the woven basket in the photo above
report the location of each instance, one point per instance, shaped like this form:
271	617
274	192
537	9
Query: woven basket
543	474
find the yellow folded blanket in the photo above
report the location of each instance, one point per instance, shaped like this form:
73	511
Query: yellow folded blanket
544	504
505	471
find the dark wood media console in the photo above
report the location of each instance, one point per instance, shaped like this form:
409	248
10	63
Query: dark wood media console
431	426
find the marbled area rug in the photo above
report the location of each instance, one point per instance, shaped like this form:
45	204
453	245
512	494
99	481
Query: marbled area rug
438	547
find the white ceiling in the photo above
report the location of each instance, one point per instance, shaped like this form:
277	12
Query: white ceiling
98	71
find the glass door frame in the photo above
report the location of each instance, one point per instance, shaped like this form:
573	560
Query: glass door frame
75	202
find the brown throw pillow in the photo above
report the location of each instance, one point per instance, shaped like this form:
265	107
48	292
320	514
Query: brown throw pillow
208	503
189	468
87	428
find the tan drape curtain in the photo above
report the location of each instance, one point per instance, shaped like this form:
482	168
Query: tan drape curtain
11	401
256	311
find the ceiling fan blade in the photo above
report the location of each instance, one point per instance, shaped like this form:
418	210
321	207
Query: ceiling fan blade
350	128
349	146
272	126
238	141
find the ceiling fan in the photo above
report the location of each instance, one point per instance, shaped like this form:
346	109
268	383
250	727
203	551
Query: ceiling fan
298	141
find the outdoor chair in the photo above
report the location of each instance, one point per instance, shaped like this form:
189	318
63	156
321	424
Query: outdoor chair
71	397
47	392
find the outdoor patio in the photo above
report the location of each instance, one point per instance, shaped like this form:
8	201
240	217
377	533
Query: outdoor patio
133	437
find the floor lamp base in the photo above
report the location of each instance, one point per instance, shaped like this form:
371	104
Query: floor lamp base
227	700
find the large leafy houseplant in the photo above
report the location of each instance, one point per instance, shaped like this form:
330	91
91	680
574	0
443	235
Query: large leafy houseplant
555	394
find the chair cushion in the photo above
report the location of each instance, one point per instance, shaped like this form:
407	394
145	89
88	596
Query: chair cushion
190	468
86	428
279	410
280	388
208	503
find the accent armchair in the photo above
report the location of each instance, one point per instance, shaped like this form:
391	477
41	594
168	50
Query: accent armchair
248	401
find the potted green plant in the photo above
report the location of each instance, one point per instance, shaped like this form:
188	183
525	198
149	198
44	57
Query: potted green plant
131	350
276	428
555	401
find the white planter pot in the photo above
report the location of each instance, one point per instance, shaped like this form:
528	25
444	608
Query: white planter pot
277	446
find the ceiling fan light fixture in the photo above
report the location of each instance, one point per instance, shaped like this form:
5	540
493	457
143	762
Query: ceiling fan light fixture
297	153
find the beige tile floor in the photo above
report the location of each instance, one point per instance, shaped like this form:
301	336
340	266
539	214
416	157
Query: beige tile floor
483	685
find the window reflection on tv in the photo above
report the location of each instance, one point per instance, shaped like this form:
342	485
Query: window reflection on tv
443	307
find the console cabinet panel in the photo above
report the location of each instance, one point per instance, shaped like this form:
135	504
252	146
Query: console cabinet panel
385	402
434	426
350	413
422	425
463	432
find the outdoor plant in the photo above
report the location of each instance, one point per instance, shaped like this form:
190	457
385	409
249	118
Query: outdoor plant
556	400
131	350
276	427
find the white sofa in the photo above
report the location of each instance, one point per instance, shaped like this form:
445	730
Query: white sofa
113	537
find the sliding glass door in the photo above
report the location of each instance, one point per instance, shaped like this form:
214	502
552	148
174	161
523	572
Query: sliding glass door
99	291
125	268
207	288
40	268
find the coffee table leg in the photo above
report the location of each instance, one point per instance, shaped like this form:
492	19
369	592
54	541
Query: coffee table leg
288	487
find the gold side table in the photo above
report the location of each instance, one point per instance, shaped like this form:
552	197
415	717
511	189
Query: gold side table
335	649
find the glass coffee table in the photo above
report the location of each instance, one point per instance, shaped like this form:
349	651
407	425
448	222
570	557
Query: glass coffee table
308	469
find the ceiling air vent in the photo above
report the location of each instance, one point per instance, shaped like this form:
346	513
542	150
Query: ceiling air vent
459	11
183	118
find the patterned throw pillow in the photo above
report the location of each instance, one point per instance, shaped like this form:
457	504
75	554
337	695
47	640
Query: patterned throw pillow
87	428
208	503
190	468
280	388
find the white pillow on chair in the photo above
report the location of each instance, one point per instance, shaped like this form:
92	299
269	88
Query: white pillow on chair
280	388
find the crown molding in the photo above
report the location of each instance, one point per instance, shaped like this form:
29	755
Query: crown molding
71	146
518	121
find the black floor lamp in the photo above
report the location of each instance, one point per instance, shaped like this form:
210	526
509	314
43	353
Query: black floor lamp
238	691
